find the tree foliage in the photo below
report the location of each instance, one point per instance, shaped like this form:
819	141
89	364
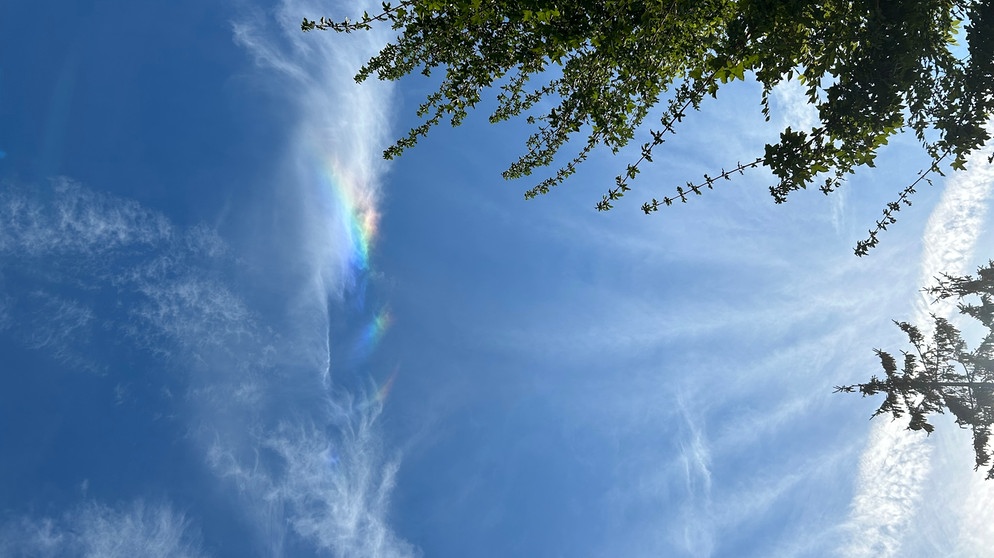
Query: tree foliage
943	374
599	68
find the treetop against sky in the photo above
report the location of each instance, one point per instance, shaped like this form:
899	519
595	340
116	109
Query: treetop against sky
599	69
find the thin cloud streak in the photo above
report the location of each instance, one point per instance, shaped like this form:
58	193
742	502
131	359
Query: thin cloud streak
786	330
897	463
696	528
94	530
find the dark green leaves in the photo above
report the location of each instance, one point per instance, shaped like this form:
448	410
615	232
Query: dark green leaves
942	374
597	69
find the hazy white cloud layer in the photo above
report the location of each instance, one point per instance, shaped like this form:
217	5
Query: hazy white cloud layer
699	372
94	530
896	471
709	394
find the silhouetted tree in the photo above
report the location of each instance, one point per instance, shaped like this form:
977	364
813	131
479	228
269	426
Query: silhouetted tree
599	68
943	374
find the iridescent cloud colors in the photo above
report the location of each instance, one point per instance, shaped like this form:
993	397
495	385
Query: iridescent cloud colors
353	210
352	218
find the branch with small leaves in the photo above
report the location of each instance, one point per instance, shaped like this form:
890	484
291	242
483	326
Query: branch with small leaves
863	246
364	23
870	73
686	96
708	182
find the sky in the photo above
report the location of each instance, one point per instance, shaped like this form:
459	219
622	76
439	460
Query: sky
228	327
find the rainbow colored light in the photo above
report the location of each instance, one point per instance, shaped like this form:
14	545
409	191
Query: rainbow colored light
353	209
384	390
371	335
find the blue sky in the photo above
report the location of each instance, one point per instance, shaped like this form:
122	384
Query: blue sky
228	328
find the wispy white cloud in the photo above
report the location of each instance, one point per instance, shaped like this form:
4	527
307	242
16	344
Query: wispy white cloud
319	473
953	228
94	530
749	325
334	163
792	99
61	327
891	473
897	463
254	392
192	310
696	525
76	244
974	524
79	222
328	485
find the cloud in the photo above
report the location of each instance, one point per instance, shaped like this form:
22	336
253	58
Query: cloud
308	464
897	463
192	310
974	525
61	327
77	223
79	250
792	98
334	162
697	529
748	326
891	472
329	484
94	530
318	472
953	228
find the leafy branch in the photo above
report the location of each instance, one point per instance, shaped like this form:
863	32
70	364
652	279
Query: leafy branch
863	246
691	187
365	23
